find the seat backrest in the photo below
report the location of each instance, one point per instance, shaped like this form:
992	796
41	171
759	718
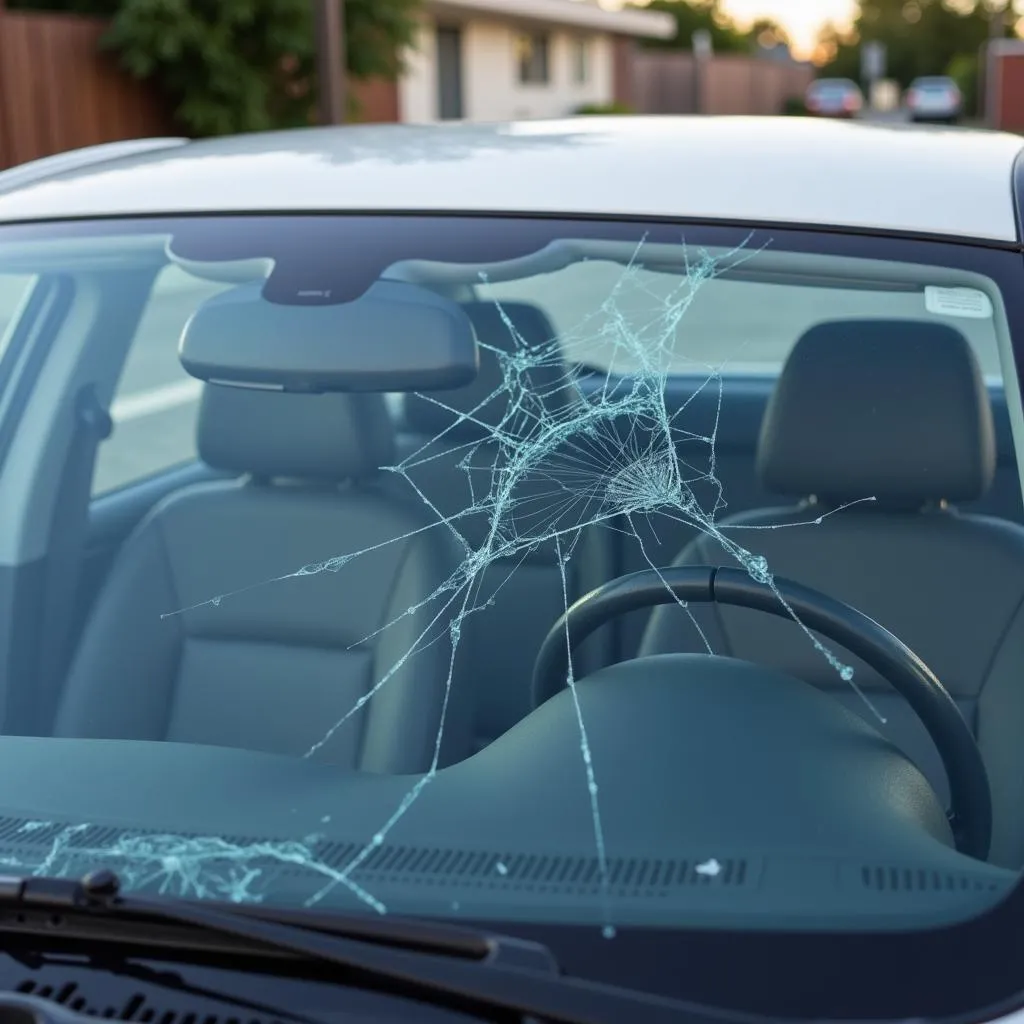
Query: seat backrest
454	459
896	412
236	616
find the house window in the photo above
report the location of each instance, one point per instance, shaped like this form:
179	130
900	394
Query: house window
532	53
580	60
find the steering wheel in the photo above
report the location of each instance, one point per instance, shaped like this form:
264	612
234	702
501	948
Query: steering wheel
970	812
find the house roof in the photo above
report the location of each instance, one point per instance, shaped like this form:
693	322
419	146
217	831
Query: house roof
580	14
799	171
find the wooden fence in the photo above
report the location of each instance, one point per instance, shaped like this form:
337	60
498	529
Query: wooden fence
59	91
671	83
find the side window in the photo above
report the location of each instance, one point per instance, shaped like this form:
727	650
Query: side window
581	60
14	291
532	54
156	404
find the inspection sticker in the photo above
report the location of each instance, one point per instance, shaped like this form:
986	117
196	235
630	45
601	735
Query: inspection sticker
963	302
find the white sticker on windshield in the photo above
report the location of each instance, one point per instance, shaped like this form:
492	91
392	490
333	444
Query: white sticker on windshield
962	302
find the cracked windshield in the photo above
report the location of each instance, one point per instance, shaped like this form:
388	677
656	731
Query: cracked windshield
584	571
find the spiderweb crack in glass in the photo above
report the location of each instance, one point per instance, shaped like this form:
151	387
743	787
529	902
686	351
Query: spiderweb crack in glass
559	463
205	867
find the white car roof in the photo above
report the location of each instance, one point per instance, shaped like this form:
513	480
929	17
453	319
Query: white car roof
952	182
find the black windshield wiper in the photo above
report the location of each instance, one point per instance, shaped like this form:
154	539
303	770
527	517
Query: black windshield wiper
440	964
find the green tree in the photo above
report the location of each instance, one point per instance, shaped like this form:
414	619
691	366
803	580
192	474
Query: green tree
767	32
231	66
695	15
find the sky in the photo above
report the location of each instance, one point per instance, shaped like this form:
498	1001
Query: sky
802	18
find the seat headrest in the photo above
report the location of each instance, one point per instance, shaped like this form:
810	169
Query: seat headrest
330	437
893	409
548	383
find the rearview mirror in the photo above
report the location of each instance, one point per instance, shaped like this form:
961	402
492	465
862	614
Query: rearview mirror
394	337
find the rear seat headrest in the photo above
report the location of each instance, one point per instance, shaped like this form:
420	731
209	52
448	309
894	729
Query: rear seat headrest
548	383
270	434
895	409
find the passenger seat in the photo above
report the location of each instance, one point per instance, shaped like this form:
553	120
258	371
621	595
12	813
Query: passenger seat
258	652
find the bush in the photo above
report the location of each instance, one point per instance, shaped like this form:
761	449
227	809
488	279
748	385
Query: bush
794	107
604	108
230	66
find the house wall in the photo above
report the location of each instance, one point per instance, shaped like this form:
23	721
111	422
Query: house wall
417	88
490	84
494	92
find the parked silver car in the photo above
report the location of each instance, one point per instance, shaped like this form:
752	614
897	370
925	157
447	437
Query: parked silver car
935	99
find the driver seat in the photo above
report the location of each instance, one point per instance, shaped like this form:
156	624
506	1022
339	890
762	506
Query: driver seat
897	411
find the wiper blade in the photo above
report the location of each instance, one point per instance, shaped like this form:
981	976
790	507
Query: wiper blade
447	966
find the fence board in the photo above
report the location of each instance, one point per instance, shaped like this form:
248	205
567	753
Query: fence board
58	91
666	83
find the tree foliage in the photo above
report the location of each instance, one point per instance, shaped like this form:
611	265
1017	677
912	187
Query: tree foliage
231	66
102	8
922	37
708	15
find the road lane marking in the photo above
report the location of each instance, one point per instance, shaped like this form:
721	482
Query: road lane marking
153	400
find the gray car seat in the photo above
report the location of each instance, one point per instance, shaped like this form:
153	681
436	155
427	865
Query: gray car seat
897	411
449	438
260	652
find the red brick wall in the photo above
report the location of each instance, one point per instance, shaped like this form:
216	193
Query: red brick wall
1009	92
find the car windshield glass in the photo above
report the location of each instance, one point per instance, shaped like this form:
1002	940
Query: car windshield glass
302	637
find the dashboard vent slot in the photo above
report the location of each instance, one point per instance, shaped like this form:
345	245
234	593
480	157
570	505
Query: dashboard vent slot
492	869
135	1007
881	878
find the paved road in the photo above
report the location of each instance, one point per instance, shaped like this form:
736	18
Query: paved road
740	326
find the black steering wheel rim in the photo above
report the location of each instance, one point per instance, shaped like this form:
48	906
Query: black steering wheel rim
970	795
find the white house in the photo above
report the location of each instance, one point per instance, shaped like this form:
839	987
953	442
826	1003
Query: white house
495	60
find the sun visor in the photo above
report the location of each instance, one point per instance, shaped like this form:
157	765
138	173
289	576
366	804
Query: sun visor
394	337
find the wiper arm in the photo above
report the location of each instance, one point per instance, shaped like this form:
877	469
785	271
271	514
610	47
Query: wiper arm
456	967
98	897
